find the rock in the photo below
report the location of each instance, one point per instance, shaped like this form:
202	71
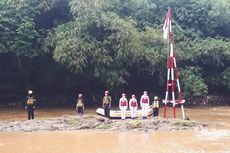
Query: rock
84	126
54	127
100	119
27	130
96	124
69	123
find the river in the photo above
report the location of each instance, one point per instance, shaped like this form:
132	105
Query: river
215	138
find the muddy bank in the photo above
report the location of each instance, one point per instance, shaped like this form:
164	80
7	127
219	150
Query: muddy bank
72	123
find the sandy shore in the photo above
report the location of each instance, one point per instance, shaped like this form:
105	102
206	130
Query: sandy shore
72	123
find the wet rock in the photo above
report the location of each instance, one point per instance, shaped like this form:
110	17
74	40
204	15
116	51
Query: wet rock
69	123
84	126
100	119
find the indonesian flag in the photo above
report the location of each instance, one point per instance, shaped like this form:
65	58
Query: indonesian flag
166	24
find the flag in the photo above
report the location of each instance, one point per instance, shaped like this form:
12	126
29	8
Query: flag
166	24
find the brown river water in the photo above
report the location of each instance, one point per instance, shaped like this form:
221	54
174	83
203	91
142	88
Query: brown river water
215	138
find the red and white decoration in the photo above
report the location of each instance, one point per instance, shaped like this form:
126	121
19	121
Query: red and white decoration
172	70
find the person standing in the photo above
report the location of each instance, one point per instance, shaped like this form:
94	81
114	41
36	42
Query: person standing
156	106
133	106
144	102
30	105
107	104
123	105
80	107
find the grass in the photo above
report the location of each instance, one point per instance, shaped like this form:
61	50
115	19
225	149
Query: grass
137	123
105	126
90	116
183	123
44	119
73	122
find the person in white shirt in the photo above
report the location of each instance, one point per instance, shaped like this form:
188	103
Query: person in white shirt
144	102
133	106
123	104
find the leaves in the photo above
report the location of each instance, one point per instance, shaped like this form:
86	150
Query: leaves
116	41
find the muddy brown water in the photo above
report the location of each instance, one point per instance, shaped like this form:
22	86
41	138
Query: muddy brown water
215	138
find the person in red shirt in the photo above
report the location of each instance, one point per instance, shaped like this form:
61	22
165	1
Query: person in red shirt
123	105
133	106
144	102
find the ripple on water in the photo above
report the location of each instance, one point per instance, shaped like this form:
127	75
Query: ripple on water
213	134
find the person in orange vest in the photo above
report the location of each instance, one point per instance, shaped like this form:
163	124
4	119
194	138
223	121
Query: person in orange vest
133	106
107	100
80	107
123	105
156	106
30	105
144	102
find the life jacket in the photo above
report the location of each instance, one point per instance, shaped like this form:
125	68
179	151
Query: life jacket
80	103
145	100
30	101
123	102
106	100
156	104
134	103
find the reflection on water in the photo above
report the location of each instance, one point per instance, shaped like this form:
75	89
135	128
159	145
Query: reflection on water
214	139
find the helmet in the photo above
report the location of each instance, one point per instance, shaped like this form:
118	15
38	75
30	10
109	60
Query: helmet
145	92
30	92
155	98
123	95
133	96
106	92
80	95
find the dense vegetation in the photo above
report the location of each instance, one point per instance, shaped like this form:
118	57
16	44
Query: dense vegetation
62	47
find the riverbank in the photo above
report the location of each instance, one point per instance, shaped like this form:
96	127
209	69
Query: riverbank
72	123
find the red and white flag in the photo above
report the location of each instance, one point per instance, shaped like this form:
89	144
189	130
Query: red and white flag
166	24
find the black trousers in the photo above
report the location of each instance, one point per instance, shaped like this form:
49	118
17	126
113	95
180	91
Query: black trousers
107	111
30	112
155	112
80	110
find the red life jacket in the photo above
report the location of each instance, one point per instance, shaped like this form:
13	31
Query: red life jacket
123	102
133	103
145	100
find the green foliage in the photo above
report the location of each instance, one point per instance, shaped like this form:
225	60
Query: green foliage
211	53
18	34
115	41
225	76
193	83
104	44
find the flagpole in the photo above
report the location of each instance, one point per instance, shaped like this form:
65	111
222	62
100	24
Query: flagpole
172	70
166	25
